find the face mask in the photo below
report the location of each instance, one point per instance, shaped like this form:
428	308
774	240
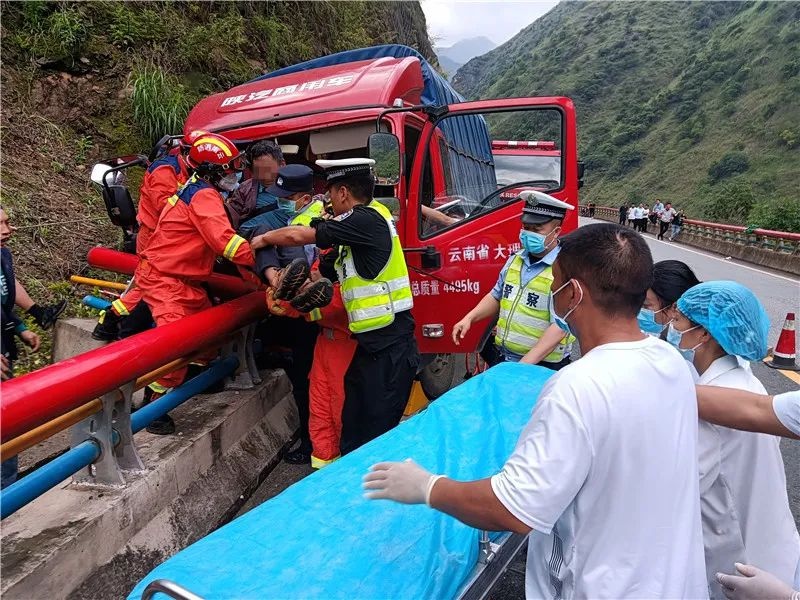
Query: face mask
562	321
647	322
287	204
228	183
674	337
532	242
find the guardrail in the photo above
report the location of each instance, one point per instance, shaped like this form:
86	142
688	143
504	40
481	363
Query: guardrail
776	249
91	393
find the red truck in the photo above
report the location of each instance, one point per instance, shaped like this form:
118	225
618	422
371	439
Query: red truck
439	173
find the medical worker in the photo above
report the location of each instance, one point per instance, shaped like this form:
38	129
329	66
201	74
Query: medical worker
520	299
671	278
374	281
161	180
775	415
745	507
192	231
604	475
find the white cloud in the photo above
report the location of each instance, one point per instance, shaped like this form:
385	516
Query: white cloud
450	21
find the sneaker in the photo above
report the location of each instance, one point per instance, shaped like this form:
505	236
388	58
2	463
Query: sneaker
107	328
316	295
292	277
46	316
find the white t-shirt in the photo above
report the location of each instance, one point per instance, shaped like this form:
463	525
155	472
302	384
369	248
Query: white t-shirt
605	472
787	409
744	503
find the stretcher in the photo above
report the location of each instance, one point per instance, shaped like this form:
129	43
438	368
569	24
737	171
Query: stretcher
320	538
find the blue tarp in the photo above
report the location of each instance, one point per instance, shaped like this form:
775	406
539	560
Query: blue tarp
468	142
320	539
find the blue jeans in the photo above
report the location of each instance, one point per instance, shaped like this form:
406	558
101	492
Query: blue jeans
676	229
8	471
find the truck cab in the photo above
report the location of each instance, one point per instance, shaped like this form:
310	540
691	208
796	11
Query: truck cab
455	204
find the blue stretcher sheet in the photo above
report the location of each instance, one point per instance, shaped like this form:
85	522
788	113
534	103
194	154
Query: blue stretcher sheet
321	539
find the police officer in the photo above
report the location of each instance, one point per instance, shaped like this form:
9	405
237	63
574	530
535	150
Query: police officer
526	331
377	297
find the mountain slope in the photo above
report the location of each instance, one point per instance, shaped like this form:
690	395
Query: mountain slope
691	102
451	58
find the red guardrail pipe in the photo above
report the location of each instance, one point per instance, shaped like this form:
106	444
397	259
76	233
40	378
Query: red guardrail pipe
36	398
122	262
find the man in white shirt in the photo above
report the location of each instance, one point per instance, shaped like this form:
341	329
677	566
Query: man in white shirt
604	476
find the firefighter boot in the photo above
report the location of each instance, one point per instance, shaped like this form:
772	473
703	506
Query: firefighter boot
107	328
45	316
291	279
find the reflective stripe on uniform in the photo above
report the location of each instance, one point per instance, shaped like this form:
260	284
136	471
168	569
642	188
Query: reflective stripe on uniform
318	463
233	246
527	320
158	388
314	315
379	287
121	309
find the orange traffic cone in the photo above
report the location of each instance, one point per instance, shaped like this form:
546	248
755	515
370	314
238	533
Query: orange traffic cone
784	356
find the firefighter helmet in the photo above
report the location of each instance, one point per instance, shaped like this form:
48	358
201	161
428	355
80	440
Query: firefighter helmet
190	138
214	154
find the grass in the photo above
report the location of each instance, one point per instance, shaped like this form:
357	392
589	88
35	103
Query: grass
160	102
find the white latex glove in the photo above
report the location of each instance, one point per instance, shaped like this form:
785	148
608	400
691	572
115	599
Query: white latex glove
404	482
755	584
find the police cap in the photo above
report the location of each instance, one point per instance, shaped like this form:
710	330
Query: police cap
345	168
291	180
540	207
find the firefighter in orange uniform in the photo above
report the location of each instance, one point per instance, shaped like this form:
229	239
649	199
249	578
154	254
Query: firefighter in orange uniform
161	180
333	352
192	231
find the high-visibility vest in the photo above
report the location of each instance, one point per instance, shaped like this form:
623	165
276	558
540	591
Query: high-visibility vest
525	312
313	210
372	303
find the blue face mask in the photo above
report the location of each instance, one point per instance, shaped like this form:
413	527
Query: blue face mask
647	322
532	242
675	337
562	321
287	204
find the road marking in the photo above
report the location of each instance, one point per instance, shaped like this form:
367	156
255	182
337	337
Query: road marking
793	375
728	262
712	256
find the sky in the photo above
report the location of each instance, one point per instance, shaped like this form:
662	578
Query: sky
450	21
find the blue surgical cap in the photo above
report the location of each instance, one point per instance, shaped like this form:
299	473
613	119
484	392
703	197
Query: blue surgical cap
731	313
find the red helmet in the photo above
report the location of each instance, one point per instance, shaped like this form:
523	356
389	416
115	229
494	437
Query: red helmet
190	138
214	154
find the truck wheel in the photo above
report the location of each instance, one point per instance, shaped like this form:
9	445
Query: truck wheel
437	377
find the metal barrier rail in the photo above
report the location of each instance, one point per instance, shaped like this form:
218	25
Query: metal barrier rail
779	241
84	454
38	397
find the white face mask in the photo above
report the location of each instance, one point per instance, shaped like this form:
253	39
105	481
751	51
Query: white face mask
229	183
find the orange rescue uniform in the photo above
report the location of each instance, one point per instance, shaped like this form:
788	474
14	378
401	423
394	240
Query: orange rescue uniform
161	180
332	355
192	231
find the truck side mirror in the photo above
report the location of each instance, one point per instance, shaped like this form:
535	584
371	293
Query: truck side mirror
384	149
98	173
119	206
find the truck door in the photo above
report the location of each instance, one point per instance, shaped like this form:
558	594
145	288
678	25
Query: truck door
457	241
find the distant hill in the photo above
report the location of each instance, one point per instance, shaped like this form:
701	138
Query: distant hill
452	57
693	102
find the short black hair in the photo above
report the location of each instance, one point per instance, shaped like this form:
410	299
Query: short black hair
613	262
671	278
265	148
361	187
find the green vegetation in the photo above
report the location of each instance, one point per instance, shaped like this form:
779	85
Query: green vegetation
85	81
690	102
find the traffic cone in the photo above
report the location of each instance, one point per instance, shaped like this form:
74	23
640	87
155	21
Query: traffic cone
784	356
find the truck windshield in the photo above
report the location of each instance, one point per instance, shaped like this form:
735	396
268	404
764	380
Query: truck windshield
512	168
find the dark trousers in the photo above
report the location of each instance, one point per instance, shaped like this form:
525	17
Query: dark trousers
376	390
662	229
9	467
622	218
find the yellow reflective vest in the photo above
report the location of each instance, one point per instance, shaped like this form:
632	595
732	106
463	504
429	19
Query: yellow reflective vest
312	210
525	312
372	303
